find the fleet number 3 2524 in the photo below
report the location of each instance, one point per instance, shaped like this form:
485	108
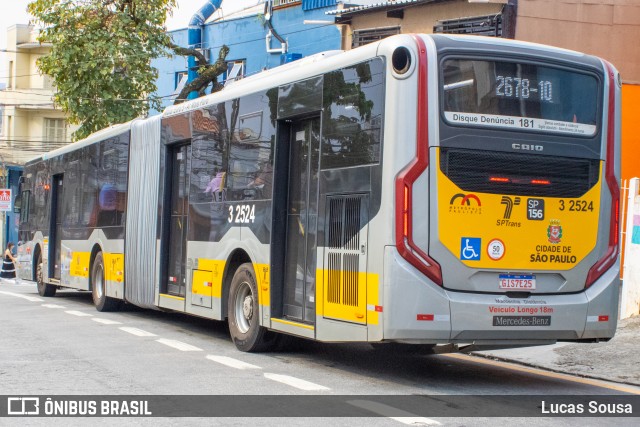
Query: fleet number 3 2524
576	205
242	214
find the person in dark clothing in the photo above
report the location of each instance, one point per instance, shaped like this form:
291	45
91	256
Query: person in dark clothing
8	264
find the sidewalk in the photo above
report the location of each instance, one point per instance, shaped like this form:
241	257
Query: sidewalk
616	360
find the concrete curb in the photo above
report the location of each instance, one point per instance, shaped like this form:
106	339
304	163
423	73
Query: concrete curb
557	371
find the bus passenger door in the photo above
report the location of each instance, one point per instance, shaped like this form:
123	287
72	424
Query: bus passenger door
176	215
55	236
301	218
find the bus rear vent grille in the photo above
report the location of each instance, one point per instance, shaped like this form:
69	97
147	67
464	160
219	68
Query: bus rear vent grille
345	222
521	174
334	272
336	208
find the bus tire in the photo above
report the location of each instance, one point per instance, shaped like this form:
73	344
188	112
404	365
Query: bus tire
98	287
244	313
44	289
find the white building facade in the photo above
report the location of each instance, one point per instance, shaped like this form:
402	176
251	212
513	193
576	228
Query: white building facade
31	124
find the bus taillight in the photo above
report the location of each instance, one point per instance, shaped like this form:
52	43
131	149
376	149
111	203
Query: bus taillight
611	255
405	214
617	225
499	179
406	178
540	182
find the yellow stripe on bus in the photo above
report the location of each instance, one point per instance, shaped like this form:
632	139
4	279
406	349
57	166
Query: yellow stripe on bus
80	264
296	324
207	280
366	298
113	266
262	281
172	297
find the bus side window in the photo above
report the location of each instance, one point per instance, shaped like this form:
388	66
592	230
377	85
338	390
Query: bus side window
250	151
352	122
208	157
24	205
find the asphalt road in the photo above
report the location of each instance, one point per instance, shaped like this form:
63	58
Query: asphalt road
62	345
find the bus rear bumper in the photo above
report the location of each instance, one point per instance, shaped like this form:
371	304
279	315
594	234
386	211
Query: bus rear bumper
417	310
591	314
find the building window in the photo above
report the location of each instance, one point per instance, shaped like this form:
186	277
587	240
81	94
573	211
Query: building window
180	80
10	82
55	130
235	71
285	2
363	37
490	25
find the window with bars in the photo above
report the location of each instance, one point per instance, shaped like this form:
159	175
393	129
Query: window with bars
363	37
489	25
55	130
285	2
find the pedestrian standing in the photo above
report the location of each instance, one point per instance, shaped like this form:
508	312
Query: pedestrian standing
8	263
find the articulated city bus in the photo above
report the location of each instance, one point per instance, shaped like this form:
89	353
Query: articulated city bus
423	189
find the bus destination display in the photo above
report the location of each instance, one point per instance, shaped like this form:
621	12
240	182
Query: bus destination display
519	96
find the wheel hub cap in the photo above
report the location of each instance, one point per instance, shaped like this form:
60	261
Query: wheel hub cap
247	307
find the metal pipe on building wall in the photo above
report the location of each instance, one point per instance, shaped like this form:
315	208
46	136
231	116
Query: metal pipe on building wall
268	6
194	35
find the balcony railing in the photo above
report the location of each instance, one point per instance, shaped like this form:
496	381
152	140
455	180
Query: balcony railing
285	2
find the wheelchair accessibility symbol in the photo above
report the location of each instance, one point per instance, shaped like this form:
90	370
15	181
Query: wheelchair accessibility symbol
470	248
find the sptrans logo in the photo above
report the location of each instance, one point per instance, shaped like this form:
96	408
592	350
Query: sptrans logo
465	204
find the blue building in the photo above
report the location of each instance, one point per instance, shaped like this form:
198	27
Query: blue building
259	38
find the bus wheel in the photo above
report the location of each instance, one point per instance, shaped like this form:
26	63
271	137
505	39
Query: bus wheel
98	287
44	289
243	309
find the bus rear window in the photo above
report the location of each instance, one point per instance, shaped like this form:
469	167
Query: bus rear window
519	96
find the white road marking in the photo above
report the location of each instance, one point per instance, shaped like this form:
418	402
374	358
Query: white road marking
27	297
53	306
137	332
78	313
233	363
178	345
295	382
395	414
416	421
106	321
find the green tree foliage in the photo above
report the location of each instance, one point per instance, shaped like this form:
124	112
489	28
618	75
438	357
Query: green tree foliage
101	55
